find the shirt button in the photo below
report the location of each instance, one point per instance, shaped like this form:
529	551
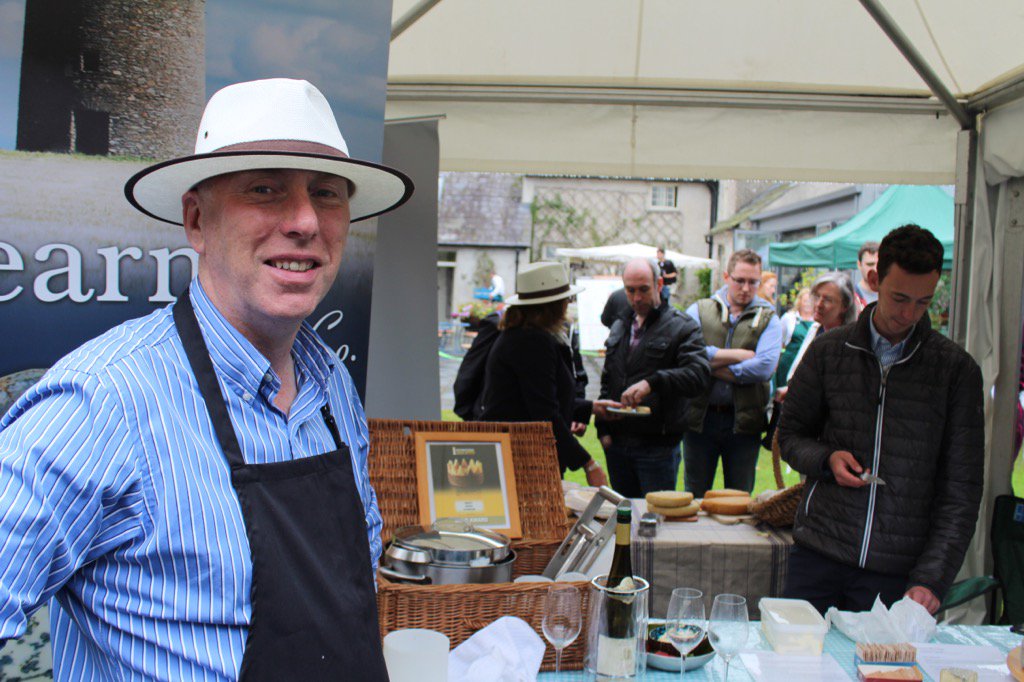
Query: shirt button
246	397
268	377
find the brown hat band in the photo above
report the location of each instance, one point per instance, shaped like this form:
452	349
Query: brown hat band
543	293
286	146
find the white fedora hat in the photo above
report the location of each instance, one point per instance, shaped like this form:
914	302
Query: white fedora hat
272	123
542	282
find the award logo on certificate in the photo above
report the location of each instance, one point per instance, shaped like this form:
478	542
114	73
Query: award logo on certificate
468	476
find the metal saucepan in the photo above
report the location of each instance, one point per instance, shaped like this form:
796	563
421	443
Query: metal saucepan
449	574
448	555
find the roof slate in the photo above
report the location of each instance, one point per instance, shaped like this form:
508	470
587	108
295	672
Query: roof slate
482	208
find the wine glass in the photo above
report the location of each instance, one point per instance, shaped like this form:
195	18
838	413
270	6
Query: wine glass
562	620
685	623
727	628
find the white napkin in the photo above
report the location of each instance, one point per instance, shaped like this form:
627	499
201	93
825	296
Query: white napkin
906	621
507	650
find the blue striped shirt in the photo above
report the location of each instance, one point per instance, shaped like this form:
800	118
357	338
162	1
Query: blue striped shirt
116	500
888	353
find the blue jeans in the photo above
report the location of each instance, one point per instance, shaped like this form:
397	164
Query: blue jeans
635	469
701	451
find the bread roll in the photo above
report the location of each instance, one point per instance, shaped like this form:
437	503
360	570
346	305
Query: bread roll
726	492
669	498
675	512
726	505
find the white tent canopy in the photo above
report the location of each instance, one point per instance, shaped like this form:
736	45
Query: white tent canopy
754	89
622	253
680	88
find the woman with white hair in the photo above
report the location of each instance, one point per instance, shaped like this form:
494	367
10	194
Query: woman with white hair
530	375
834	306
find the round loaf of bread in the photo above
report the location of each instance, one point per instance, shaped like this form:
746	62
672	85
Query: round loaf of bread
675	512
726	505
669	498
725	492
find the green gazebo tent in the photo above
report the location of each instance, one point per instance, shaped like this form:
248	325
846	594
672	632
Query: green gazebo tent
926	205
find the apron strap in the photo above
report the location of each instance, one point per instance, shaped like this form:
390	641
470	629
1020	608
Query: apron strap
202	369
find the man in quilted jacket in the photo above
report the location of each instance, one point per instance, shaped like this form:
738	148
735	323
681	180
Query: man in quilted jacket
884	417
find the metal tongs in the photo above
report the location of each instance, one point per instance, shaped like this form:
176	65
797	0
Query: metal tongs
587	537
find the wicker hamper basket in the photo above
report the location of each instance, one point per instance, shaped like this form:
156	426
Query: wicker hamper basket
780	509
460	610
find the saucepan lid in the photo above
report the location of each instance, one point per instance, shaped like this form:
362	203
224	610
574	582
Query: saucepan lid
449	541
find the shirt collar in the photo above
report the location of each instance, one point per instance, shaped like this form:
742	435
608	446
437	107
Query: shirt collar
243	366
880	344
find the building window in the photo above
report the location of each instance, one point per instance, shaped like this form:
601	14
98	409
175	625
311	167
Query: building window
446	259
89	61
664	196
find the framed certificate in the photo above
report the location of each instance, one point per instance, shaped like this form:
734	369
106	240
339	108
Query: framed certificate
467	476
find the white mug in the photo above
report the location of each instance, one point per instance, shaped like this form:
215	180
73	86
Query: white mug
416	655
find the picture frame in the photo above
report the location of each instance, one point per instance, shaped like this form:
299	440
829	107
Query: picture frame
467	476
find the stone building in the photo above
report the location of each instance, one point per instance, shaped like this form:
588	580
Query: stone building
112	77
582	212
497	222
482	227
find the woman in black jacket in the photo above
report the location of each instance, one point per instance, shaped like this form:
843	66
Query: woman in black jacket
530	374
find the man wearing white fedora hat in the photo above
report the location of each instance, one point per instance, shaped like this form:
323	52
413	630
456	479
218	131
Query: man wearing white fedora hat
192	486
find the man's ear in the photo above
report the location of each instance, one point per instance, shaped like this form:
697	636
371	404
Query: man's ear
190	218
873	279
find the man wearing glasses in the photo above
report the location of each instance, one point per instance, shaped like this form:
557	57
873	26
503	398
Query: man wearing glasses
744	340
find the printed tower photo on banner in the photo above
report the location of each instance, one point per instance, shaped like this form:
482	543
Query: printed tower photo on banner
92	91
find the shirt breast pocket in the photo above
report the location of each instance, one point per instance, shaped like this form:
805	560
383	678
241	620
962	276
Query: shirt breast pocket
657	349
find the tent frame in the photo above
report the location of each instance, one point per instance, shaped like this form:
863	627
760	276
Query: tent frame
966	264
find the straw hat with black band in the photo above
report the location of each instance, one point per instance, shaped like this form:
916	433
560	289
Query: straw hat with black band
542	282
272	123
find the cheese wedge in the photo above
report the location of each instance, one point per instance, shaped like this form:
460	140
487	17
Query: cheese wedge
675	512
725	492
726	505
669	498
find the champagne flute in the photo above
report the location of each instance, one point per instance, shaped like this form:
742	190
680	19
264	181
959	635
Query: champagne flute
562	619
727	628
685	623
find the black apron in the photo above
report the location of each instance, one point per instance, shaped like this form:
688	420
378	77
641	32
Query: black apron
314	609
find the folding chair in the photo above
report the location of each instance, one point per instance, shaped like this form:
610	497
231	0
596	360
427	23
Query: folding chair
1007	536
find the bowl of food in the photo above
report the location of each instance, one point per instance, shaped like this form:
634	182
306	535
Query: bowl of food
662	655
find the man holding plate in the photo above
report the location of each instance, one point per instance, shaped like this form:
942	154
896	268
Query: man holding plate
655	361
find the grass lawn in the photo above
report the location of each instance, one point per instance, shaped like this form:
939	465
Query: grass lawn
765	479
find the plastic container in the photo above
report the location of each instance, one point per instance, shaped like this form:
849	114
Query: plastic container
793	626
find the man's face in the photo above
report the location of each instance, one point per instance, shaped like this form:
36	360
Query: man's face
742	283
903	298
269	243
641	289
868	263
661	255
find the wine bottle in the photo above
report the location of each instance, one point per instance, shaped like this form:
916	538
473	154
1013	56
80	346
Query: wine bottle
622	562
617	645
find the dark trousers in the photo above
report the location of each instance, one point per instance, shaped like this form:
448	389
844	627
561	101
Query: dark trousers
701	451
635	469
825	582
